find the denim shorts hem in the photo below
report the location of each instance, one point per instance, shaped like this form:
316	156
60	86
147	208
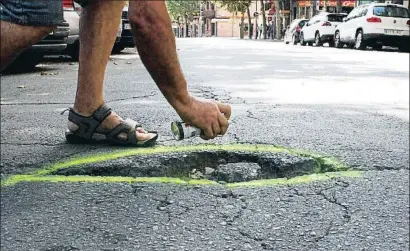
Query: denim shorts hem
32	13
31	23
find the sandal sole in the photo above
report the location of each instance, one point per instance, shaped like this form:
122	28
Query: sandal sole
74	139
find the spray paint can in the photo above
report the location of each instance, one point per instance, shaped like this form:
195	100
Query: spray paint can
181	130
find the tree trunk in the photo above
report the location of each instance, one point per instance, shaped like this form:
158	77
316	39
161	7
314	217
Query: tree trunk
186	26
263	19
241	31
278	29
249	22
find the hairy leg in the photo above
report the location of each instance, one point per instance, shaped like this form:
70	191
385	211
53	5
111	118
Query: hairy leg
16	38
98	27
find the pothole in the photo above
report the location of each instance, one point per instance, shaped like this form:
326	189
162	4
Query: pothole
216	165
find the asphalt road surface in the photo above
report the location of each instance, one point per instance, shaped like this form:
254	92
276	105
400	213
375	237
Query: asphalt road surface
342	103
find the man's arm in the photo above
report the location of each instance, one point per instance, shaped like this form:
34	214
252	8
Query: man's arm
155	43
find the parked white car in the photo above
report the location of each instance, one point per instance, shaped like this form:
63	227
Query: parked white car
321	29
375	25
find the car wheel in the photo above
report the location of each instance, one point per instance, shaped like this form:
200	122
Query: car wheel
359	44
317	39
302	39
117	48
25	62
377	47
331	43
337	43
404	48
310	43
74	51
294	41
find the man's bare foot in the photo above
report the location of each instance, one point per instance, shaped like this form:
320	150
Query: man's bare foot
111	122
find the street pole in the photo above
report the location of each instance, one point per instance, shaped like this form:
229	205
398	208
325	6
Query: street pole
290	11
278	29
263	19
256	22
200	21
232	21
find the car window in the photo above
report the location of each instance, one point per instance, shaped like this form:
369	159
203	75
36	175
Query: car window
312	21
302	23
294	23
363	12
335	18
391	11
354	13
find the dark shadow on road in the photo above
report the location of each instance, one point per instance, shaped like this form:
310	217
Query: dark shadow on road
37	69
59	59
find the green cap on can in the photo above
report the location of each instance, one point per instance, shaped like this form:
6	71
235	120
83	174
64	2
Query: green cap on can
177	130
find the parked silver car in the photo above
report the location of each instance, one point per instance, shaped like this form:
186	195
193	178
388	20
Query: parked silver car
72	12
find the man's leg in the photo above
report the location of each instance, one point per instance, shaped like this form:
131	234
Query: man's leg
24	23
98	28
16	38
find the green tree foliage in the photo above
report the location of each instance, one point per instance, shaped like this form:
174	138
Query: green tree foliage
238	6
183	9
263	19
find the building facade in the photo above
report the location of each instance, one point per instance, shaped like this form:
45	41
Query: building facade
214	20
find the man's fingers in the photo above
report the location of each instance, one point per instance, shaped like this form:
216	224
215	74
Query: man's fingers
223	123
207	134
225	109
216	128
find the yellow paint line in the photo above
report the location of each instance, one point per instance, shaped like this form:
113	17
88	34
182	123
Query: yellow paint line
117	179
44	175
96	158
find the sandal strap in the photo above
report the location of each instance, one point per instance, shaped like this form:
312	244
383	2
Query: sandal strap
102	113
88	125
128	127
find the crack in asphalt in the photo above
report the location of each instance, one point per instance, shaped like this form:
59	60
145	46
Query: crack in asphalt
162	206
242	208
332	199
31	144
60	248
236	137
250	115
247	235
209	93
42	103
229	194
134	97
70	103
163	203
327	232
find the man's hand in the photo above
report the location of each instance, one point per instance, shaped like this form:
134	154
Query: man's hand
210	116
158	53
